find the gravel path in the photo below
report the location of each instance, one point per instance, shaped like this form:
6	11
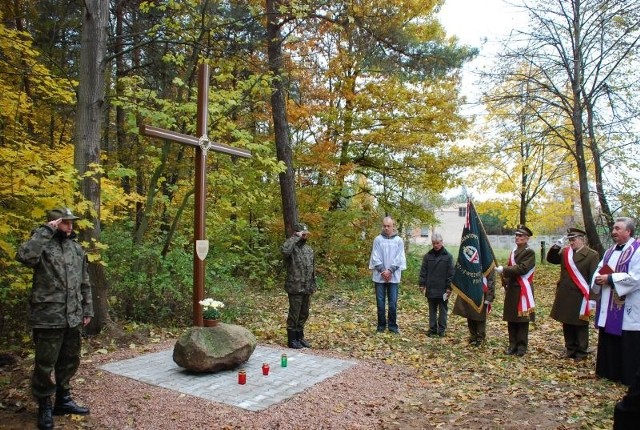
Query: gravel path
354	399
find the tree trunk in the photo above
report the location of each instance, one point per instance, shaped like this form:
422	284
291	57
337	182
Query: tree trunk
523	194
87	140
279	112
121	140
578	111
176	220
146	210
605	208
347	130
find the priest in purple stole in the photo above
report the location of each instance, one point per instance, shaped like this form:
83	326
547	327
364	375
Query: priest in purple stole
617	283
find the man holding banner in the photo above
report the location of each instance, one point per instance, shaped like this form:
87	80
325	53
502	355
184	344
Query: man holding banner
517	279
577	263
473	279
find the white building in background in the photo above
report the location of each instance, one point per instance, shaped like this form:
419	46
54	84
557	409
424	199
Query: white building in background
450	224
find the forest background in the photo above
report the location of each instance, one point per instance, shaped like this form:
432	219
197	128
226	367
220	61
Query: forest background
352	110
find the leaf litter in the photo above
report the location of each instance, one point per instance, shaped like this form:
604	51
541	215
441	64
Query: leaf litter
407	381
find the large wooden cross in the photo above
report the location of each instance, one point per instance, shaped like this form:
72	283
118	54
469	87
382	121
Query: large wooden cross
202	146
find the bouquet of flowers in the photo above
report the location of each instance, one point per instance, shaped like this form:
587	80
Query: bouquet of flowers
211	309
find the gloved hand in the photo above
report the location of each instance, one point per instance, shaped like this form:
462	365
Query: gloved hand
499	269
560	242
488	306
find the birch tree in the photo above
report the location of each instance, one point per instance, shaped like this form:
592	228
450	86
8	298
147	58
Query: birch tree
577	55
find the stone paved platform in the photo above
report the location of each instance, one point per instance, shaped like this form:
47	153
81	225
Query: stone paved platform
260	392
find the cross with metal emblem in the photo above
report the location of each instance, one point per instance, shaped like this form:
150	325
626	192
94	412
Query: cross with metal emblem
202	145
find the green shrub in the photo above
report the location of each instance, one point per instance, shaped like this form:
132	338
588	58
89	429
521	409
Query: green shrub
144	286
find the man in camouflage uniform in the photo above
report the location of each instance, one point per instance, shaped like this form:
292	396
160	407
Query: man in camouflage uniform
60	304
299	285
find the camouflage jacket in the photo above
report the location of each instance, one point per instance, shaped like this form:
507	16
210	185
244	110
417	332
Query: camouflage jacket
300	263
61	291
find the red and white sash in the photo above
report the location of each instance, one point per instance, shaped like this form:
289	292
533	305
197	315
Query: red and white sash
580	282
526	304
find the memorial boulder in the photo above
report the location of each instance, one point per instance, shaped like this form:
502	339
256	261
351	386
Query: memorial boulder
212	349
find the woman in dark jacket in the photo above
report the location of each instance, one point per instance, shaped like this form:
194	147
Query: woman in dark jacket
435	282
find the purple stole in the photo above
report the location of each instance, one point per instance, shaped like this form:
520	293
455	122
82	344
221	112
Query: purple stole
615	307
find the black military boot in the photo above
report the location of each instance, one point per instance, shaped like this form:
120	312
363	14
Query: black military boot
65	405
302	340
45	419
292	339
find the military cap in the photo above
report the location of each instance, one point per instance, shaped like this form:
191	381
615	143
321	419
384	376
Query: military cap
300	227
575	232
523	229
64	213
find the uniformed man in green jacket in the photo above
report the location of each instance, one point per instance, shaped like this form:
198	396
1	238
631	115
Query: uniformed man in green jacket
60	304
300	284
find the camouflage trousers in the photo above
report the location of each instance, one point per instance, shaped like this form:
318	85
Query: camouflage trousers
57	350
298	311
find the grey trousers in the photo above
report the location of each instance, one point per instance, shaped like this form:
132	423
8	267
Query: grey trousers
438	311
477	330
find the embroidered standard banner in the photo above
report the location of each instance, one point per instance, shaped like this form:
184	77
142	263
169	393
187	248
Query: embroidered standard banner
475	261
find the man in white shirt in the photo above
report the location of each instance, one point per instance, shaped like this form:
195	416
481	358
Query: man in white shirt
387	262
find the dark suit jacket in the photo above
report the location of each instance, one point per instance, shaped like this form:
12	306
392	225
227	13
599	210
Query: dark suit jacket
436	273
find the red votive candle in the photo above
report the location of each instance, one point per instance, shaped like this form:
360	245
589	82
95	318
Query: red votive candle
242	377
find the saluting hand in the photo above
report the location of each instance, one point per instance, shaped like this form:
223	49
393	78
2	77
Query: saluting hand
54	223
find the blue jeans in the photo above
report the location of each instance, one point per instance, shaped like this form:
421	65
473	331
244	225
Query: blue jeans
387	291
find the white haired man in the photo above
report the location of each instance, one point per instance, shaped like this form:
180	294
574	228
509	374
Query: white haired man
617	283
